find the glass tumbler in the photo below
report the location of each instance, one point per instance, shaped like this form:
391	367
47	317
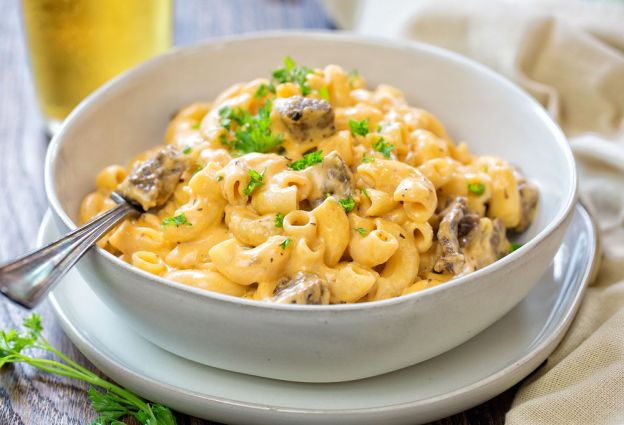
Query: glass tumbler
77	45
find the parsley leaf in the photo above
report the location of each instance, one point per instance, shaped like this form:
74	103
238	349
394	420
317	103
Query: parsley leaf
279	220
359	128
347	204
33	324
187	150
308	160
514	246
324	93
195	126
285	243
366	159
225	117
219	178
365	192
383	147
261	92
291	73
254	182
360	230
477	188
178	220
264	90
353	76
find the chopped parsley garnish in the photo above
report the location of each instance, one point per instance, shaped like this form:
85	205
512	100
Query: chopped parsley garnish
383	147
353	76
253	132
308	160
359	128
347	204
365	192
227	114
187	150
254	182
361	231
198	169
177	221
324	93
366	159
195	126
219	178
514	246
379	128
291	73
264	90
279	220
285	243
477	188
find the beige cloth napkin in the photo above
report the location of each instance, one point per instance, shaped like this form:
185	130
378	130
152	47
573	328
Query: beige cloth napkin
570	56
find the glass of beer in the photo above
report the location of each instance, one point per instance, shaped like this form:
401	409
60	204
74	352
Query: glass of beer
77	45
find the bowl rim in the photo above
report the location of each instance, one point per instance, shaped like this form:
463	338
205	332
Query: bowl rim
111	87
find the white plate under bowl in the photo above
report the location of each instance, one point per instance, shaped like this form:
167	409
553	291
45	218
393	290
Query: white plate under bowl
479	369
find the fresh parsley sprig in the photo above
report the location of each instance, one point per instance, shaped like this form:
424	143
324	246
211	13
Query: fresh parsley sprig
178	220
291	73
279	220
285	243
366	159
264	89
476	188
324	93
353	76
255	181
308	160
359	128
252	132
112	405
383	147
347	204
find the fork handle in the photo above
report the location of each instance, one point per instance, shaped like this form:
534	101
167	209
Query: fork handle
28	279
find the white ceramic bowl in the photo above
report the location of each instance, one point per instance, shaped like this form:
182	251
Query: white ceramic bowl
314	343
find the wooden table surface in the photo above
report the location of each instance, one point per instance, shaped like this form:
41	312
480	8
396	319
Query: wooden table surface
33	398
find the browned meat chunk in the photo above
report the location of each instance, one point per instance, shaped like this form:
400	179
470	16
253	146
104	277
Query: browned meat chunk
306	118
467	242
303	288
488	245
335	179
152	181
455	231
529	196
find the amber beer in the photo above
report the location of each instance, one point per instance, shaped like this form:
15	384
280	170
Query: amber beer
77	45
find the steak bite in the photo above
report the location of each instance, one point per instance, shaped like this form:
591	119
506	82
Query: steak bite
331	177
303	288
151	182
306	118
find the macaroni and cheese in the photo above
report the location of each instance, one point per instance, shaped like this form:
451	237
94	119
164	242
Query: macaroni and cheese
310	188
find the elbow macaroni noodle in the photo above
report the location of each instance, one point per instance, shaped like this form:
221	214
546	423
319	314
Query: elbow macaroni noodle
244	242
